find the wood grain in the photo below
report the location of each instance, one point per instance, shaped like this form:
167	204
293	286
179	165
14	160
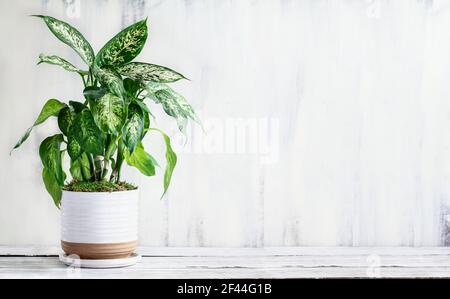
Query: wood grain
245	263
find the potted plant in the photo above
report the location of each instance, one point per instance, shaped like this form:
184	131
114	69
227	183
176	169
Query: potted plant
100	134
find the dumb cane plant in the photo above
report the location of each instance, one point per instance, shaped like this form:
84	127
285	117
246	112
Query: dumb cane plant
106	129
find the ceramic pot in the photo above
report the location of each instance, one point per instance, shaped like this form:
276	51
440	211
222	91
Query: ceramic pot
99	225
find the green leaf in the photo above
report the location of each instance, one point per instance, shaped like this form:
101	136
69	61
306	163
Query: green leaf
146	122
52	186
77	106
141	71
110	114
87	134
85	167
171	159
75	170
134	128
51	108
71	37
110	79
58	61
141	160
73	147
132	86
124	47
80	169
50	153
174	104
65	120
141	104
93	93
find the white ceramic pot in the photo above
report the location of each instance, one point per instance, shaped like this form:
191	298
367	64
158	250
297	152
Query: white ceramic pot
99	225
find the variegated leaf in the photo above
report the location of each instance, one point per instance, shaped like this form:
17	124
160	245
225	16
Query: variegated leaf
110	114
58	61
87	134
71	37
147	114
150	72
73	148
174	104
65	120
124	47
134	128
110	79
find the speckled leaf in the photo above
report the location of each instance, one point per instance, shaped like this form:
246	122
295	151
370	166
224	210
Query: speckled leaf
58	61
88	134
174	104
110	114
50	153
141	160
149	72
65	119
134	128
124	47
51	108
71	37
110	80
146	112
73	148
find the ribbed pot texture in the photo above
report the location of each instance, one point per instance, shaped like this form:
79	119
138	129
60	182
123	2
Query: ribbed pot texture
99	225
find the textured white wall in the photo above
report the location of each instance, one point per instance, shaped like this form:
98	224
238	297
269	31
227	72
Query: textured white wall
347	105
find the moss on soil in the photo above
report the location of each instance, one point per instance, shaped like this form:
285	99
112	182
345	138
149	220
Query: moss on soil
102	186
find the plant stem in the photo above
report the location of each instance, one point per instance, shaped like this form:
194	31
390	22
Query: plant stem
84	80
98	167
91	77
105	169
92	166
115	176
109	145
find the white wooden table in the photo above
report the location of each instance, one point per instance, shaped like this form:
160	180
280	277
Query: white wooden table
184	263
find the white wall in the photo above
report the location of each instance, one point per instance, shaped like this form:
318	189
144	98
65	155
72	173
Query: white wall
348	104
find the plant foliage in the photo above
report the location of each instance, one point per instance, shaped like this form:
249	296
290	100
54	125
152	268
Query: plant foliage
105	130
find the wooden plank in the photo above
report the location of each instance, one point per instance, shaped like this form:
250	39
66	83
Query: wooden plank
258	262
51	268
268	251
242	263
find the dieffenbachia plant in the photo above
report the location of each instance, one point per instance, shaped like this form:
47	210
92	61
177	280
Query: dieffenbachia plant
106	129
